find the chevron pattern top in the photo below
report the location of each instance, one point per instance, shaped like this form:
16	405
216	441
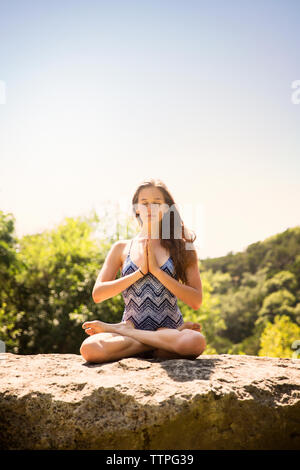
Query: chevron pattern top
149	305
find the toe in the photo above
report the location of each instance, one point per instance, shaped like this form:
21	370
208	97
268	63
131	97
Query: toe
89	331
87	324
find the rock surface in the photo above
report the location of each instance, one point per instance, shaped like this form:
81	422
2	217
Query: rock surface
58	401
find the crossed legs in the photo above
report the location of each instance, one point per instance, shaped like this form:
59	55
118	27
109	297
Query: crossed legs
109	342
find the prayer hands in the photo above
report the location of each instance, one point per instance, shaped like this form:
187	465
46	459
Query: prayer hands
152	261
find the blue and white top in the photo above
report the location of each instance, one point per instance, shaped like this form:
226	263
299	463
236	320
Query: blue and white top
149	305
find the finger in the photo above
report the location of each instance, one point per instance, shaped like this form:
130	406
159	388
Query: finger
89	331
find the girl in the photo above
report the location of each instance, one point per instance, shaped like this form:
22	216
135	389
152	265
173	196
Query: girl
152	266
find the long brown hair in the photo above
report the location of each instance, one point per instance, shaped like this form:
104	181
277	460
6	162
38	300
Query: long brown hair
181	257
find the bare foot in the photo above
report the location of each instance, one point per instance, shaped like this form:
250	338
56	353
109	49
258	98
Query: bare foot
96	326
190	325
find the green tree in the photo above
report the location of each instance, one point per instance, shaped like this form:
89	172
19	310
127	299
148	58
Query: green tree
281	280
60	267
9	267
240	306
281	302
278	337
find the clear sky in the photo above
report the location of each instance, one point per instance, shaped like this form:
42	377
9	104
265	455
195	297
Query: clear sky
102	94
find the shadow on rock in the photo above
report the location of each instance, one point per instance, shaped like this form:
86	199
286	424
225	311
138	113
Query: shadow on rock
179	370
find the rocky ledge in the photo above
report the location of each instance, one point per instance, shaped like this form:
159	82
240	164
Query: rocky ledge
58	401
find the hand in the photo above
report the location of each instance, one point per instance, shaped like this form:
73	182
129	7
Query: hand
144	265
152	261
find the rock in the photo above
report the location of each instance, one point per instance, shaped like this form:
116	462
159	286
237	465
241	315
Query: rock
58	401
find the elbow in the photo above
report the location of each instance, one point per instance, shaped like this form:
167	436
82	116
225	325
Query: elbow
198	304
95	295
95	299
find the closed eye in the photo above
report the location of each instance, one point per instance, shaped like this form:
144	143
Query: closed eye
154	203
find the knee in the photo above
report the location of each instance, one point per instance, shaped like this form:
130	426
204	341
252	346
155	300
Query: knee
86	351
92	352
201	344
191	343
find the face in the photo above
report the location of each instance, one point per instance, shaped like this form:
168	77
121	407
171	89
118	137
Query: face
151	205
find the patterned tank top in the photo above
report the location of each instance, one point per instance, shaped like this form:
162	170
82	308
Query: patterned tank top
149	305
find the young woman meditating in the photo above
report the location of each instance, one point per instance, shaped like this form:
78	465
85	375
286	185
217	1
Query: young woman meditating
157	267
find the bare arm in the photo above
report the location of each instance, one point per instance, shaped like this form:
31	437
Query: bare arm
106	285
190	294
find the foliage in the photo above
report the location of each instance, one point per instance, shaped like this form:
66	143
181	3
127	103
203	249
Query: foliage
9	267
261	282
55	285
278	337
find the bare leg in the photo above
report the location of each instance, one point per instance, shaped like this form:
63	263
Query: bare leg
163	354
168	339
104	347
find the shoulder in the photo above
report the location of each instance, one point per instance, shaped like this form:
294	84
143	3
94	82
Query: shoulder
123	247
116	249
117	245
123	243
120	243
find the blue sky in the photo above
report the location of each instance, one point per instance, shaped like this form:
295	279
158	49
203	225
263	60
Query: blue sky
102	94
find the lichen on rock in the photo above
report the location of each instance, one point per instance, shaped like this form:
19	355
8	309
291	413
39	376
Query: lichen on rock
58	401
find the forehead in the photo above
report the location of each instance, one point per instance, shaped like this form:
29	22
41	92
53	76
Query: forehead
151	193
